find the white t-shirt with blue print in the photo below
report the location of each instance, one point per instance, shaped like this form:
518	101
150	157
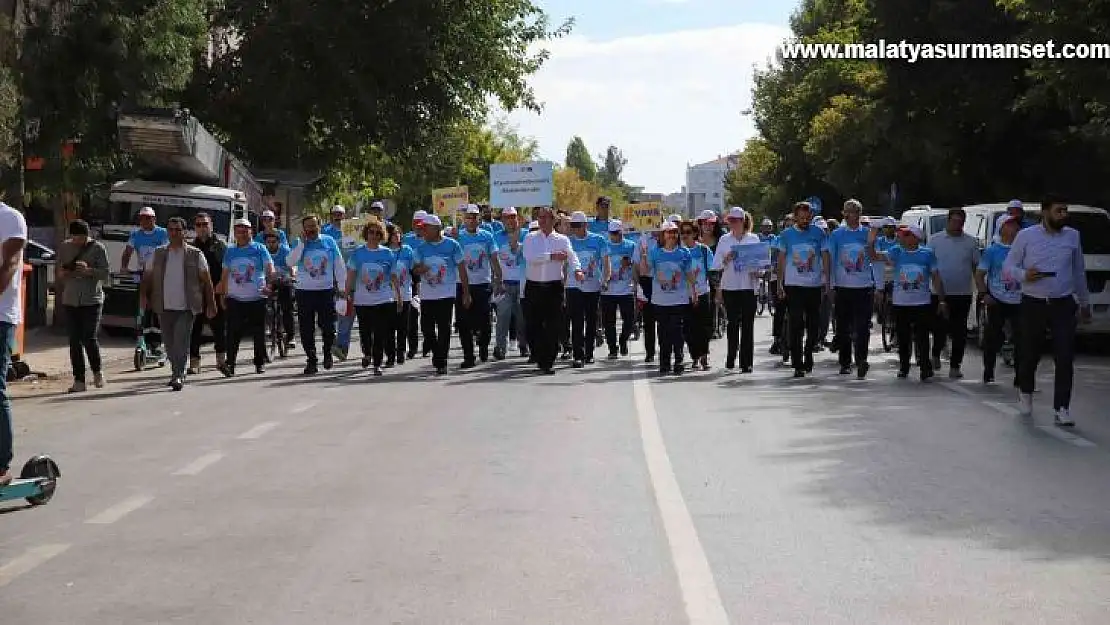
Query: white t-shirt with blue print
848	253
1000	281
246	271
402	268
913	275
623	257
670	271
512	264
317	264
592	251
145	242
442	261
804	265
478	248
373	275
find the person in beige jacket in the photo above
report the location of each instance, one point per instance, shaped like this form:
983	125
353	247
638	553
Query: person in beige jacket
178	286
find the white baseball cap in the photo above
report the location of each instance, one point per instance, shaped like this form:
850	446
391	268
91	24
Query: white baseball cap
914	230
1015	204
674	218
668	225
377	206
888	221
242	222
707	215
737	213
508	211
767	222
432	220
821	223
472	209
615	225
268	213
419	216
338	209
146	211
578	217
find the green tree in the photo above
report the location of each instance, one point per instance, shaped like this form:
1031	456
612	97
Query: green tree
578	158
308	82
611	173
9	92
752	184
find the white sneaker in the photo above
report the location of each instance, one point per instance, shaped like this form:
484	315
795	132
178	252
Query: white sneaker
1063	418
1025	403
98	380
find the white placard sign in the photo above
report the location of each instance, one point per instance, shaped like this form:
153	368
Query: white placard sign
522	184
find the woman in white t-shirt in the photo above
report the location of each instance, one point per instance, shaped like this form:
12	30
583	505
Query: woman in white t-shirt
737	291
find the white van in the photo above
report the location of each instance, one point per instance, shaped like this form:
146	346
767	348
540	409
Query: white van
930	220
1093	225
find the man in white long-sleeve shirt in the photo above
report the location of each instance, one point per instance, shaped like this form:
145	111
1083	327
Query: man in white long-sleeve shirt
320	271
546	252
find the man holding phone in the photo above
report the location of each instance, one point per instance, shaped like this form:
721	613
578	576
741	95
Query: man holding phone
1048	259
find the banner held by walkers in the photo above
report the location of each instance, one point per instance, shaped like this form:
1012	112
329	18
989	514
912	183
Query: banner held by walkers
522	184
445	201
642	216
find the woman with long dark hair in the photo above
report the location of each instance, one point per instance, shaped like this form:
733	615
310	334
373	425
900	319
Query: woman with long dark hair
402	270
698	325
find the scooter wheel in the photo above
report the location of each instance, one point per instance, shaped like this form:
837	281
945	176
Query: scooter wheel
45	469
140	360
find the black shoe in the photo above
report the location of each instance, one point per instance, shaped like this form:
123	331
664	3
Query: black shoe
903	374
565	355
613	355
310	369
624	348
679	369
365	362
227	370
260	369
483	354
577	364
926	373
746	370
547	371
327	360
862	369
664	369
400	359
441	370
176	384
389	364
498	354
845	370
775	350
650	358
589	360
411	355
468	364
377	371
799	373
730	365
988	376
809	366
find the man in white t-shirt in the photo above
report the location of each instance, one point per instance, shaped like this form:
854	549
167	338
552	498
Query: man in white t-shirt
13	238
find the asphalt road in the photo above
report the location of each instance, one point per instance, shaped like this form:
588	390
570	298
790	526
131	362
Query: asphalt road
602	496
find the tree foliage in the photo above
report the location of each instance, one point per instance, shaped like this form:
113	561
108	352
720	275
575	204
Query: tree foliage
612	167
573	193
306	82
579	159
946	132
9	92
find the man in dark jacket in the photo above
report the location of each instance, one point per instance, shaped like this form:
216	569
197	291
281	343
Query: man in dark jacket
213	249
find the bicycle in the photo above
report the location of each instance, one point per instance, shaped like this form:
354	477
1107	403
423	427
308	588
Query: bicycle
762	299
278	347
886	321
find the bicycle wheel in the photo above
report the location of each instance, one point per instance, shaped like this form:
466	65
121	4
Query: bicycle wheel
761	300
888	327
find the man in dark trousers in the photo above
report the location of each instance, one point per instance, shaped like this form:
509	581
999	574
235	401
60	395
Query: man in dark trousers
213	249
547	253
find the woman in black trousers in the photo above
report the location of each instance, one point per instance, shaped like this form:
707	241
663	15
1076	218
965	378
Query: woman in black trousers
737	291
373	293
672	294
699	323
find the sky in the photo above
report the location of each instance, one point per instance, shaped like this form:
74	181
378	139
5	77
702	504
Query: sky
664	80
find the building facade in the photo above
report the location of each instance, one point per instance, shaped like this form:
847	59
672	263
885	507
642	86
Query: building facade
705	184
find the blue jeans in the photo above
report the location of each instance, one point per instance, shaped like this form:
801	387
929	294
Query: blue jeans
343	332
7	333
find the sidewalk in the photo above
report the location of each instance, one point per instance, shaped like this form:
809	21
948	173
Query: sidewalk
46	352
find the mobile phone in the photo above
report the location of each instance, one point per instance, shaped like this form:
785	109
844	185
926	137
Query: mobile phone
1046	274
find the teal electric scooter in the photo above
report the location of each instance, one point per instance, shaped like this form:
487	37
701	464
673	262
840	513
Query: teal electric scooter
37	482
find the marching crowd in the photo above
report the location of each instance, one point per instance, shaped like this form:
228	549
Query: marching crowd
555	286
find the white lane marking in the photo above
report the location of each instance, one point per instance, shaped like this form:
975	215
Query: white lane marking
27	562
699	590
303	407
200	464
120	510
1003	408
1066	437
258	431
